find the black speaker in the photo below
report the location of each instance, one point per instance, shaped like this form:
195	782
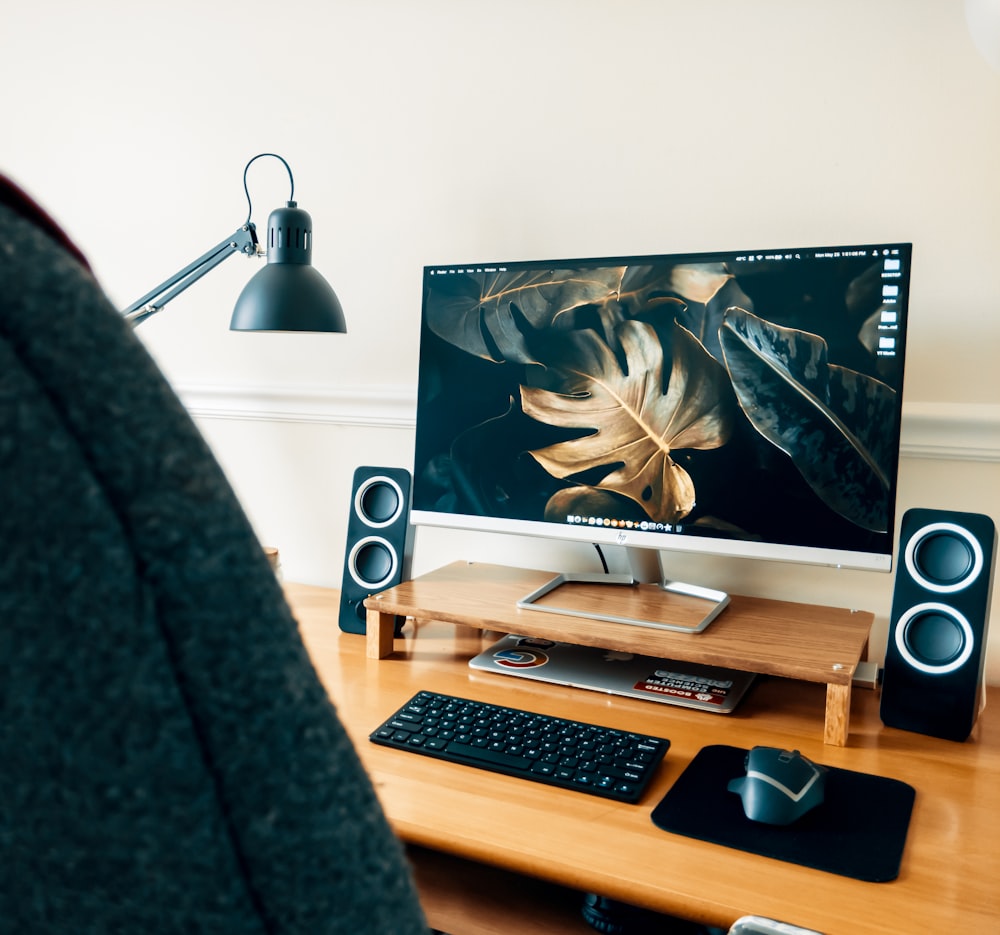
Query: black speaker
379	540
940	617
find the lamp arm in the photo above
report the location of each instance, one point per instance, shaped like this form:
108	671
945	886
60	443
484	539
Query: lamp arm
242	241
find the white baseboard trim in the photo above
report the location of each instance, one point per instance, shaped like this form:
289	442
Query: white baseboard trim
946	431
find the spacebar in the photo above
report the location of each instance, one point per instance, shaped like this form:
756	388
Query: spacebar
498	757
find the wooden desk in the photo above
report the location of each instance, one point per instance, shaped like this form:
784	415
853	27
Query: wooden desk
950	868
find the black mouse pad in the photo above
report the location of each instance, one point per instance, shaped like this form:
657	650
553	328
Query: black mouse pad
858	831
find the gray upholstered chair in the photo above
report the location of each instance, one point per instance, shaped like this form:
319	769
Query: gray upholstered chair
169	761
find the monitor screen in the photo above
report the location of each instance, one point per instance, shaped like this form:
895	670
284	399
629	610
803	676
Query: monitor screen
741	402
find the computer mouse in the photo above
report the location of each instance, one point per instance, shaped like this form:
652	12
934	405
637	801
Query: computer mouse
780	786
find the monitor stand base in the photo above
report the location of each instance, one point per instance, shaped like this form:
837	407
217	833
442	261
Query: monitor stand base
576	602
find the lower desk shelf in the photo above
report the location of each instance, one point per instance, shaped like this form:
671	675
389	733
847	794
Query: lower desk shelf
791	640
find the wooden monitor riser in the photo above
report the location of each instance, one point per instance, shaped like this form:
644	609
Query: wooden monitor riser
791	640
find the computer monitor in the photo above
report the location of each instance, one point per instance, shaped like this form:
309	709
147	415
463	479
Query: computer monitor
741	402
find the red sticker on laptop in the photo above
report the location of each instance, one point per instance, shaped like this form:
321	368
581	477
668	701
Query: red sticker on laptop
677	685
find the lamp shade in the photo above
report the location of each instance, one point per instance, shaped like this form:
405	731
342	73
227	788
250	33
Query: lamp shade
288	294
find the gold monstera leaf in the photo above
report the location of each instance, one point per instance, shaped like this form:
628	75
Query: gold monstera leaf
635	423
699	282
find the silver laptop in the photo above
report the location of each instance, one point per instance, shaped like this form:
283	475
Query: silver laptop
706	688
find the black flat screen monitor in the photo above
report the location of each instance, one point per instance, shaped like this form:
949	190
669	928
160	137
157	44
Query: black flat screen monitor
743	403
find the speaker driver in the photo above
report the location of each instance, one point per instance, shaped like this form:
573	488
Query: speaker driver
379	501
944	557
372	562
934	638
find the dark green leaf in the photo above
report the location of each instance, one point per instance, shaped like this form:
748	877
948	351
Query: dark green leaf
820	414
480	312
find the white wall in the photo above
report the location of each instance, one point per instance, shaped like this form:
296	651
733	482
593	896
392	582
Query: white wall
449	130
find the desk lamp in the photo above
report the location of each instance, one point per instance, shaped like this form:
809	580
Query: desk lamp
288	294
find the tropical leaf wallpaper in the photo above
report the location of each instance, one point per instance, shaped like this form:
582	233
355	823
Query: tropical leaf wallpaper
684	396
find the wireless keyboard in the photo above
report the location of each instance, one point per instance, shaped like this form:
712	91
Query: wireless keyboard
576	755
